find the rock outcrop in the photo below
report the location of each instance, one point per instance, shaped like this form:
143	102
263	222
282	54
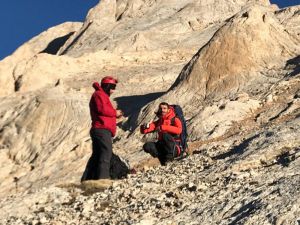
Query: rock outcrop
148	25
251	42
13	67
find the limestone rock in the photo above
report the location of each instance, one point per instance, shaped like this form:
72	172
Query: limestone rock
289	17
251	42
13	67
127	25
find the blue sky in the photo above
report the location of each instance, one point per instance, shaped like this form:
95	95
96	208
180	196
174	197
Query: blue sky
23	19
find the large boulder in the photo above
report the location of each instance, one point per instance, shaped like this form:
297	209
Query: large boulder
252	42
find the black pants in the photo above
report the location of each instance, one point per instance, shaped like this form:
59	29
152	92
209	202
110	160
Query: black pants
164	149
99	163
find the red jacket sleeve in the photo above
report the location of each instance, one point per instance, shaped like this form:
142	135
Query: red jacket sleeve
151	128
104	106
176	129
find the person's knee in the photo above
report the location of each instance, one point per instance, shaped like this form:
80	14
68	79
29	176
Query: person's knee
150	148
147	147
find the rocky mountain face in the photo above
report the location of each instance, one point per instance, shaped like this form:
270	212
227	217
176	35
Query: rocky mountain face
232	65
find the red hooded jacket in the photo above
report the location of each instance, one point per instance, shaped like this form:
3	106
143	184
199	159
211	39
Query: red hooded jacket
102	112
163	125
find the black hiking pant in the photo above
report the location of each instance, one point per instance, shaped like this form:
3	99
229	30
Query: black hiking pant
164	149
98	165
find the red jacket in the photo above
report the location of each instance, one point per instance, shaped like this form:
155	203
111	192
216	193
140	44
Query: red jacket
163	125
103	114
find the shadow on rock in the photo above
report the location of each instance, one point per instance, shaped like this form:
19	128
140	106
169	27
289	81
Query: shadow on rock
295	64
240	149
54	46
245	211
132	105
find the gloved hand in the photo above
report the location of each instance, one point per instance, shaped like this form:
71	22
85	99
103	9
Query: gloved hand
146	126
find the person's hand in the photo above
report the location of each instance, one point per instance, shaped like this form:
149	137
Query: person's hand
145	126
119	113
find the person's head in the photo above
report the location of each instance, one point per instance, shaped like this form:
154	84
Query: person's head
108	84
163	109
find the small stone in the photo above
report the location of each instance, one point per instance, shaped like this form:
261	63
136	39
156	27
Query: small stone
36	222
170	194
43	220
168	204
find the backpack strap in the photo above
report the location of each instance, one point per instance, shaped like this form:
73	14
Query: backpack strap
173	124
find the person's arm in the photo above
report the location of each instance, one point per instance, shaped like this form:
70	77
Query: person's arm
152	127
173	129
104	107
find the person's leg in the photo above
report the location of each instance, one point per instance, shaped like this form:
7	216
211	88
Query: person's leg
150	147
156	150
104	149
168	144
161	153
91	169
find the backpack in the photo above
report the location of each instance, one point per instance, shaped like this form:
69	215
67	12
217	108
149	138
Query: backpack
119	168
183	136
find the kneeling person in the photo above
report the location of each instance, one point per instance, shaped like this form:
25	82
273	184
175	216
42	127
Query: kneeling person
169	128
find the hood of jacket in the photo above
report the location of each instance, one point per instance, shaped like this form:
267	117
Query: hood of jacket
96	86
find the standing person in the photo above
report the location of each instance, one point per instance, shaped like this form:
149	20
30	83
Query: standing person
169	128
103	117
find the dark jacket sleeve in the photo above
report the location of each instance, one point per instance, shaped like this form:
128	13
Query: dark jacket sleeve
104	106
176	129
